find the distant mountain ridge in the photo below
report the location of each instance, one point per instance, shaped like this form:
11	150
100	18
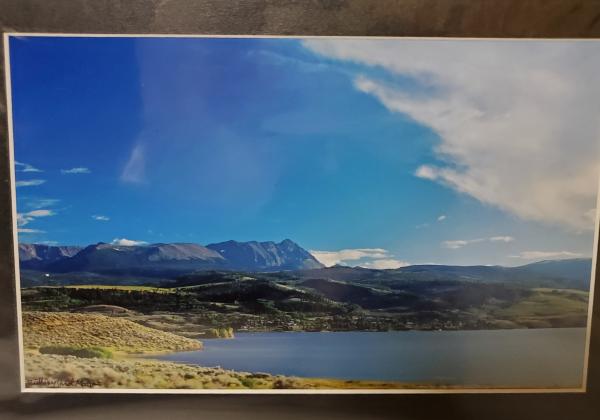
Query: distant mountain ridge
108	258
167	258
286	255
35	256
567	273
99	262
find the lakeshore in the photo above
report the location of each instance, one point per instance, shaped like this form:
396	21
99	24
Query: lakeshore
127	355
128	367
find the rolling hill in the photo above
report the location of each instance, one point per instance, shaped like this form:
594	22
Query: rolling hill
570	273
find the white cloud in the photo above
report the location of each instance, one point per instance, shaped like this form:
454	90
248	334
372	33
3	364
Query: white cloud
25	167
439	219
101	218
40	213
517	120
502	239
459	243
330	258
48	242
426	172
385	264
25	230
375	258
127	242
78	170
25	218
29	183
540	255
135	168
38	203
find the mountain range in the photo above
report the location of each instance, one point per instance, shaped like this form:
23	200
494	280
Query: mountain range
38	256
572	273
101	263
167	258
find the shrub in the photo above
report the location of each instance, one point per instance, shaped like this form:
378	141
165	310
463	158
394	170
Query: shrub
87	352
247	382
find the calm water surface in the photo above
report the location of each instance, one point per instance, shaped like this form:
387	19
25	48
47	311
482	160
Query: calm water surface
509	358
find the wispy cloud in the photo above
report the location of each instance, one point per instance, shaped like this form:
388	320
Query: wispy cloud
541	255
439	219
40	213
78	170
425	172
385	264
135	168
502	239
38	203
363	257
30	183
330	258
31	231
459	243
127	242
25	218
497	105
281	59
25	167
100	218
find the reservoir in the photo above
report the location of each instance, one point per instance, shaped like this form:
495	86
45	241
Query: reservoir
531	358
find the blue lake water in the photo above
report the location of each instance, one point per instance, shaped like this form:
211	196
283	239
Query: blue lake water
500	358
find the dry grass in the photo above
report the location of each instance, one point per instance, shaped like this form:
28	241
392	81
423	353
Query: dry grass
185	325
48	371
89	330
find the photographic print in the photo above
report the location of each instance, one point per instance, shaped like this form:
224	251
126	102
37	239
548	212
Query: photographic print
326	214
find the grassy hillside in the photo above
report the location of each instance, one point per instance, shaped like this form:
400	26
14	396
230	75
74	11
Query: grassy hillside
49	371
153	289
90	330
566	274
547	308
199	304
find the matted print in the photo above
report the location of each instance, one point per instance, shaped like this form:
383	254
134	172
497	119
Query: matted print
264	214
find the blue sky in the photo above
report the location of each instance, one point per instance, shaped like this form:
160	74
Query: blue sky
362	158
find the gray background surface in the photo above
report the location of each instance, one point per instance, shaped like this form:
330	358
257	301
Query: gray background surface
460	18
